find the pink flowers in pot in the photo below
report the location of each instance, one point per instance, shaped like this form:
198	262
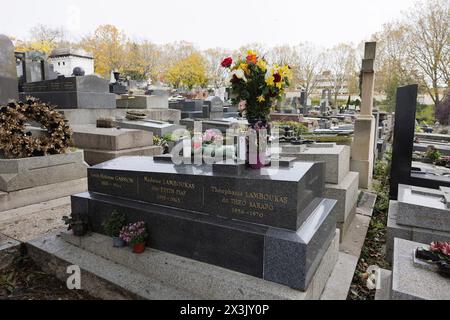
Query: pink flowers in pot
211	136
134	233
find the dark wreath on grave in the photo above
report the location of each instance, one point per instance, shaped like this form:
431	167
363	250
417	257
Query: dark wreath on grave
17	142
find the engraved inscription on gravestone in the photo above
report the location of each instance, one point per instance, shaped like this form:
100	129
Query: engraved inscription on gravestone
278	200
186	192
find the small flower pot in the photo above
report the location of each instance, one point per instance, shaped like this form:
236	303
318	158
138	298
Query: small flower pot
139	248
118	243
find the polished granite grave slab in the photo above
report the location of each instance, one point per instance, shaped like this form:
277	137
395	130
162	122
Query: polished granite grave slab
277	197
72	92
283	256
423	208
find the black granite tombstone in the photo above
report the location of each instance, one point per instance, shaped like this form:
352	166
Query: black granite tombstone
72	92
8	72
117	87
403	145
192	109
271	223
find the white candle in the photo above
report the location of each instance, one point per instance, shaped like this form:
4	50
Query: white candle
242	148
187	152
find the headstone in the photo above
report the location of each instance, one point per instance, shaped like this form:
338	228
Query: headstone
192	109
73	92
213	108
403	145
8	72
116	85
270	224
303	100
33	67
423	208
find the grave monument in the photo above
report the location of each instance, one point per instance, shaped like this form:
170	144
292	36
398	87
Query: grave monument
75	92
271	224
364	141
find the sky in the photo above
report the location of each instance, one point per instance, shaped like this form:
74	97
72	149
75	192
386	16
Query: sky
210	23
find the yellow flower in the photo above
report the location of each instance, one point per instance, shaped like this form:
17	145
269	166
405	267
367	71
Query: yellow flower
244	67
262	65
261	98
279	85
270	80
251	53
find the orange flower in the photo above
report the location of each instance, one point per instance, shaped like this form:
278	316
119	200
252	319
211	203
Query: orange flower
252	58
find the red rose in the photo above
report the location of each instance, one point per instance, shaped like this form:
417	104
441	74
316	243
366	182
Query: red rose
277	77
226	63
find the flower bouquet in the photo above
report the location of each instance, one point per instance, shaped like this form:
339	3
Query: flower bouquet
135	235
255	86
438	254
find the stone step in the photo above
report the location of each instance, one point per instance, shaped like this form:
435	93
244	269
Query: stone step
204	280
100	277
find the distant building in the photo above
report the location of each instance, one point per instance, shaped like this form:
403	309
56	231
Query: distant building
324	82
65	60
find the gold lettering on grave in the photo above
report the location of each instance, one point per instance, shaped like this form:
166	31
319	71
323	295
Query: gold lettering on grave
112	181
167	190
246	203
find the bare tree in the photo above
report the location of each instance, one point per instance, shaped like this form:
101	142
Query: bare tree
216	74
310	66
429	44
341	63
42	33
393	64
261	49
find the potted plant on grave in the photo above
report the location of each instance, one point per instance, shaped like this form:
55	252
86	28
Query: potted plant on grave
255	87
112	227
135	235
78	225
432	154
